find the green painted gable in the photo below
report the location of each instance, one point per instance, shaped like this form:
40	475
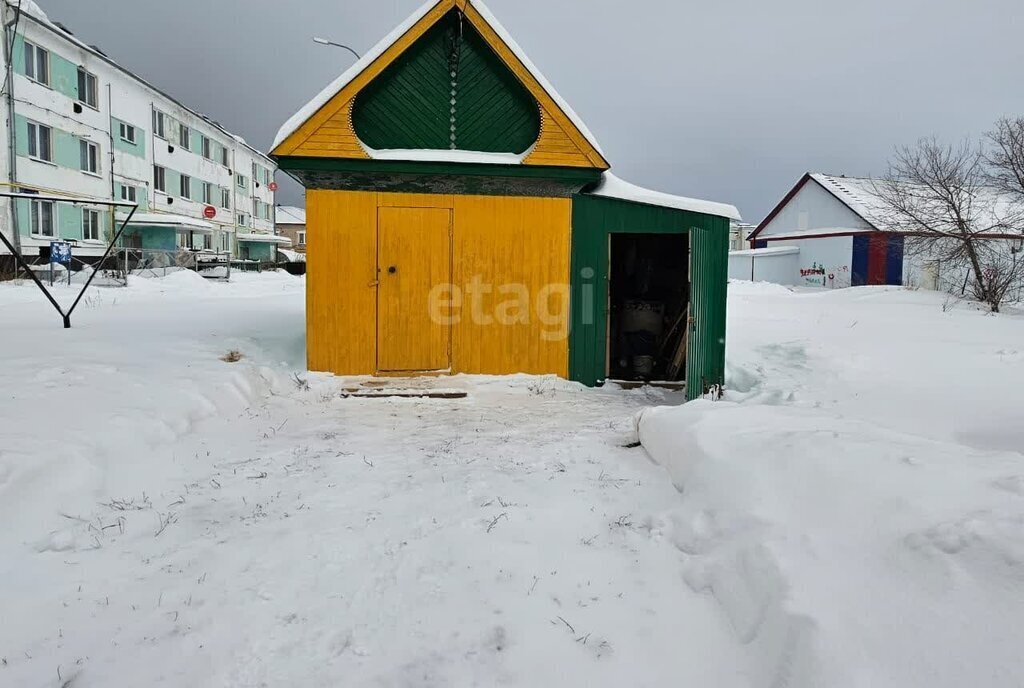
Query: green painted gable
449	90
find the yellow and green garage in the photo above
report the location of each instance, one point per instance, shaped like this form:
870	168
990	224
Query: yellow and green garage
462	219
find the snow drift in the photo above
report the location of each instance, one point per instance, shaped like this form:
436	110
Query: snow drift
857	522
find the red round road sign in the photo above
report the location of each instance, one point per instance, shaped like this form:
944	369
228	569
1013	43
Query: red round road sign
209	212
272	186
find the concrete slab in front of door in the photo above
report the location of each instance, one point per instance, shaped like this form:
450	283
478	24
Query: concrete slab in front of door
407	387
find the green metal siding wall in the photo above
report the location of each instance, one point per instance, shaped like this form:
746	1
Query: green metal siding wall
594	219
709	280
410	105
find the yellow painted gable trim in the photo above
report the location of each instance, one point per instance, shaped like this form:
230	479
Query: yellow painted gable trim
329	132
556	127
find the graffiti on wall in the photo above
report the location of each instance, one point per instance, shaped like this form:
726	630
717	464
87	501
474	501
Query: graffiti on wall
818	275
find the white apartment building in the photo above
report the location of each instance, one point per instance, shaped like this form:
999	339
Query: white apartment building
78	124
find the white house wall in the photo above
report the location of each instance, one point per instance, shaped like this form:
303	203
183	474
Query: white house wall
765	265
813	208
822	262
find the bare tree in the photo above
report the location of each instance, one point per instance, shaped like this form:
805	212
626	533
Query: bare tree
942	199
1006	157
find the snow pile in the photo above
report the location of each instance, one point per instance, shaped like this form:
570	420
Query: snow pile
31	8
857	509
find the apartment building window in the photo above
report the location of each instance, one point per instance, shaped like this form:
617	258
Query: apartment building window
128	193
127	133
207	148
87	88
159	124
224	156
183	239
39	138
184	135
225	198
225	242
37	64
256	214
159	178
302	239
185	186
90	224
240	181
90	157
243	220
207	241
207	193
42	218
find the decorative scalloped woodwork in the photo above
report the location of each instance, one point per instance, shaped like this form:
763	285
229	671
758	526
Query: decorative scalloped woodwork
329	132
335	138
554	146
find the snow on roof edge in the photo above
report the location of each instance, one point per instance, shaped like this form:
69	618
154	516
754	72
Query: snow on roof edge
770	251
166	219
290	215
612	186
255	237
321	99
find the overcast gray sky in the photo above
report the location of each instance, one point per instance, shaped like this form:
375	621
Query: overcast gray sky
730	100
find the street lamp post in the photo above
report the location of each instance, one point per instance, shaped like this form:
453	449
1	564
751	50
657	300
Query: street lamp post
324	41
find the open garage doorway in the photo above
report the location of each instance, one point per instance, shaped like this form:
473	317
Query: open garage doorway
648	298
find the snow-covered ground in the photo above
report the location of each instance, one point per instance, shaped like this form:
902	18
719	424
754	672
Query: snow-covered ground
174	519
851	515
856	504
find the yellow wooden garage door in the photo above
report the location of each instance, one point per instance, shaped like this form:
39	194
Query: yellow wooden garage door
413	256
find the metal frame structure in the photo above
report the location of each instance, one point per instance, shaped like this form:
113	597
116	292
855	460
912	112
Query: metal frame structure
75	201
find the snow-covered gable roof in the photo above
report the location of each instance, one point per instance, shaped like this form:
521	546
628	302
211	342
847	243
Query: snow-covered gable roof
324	97
290	215
858	193
857	206
613	187
820	205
